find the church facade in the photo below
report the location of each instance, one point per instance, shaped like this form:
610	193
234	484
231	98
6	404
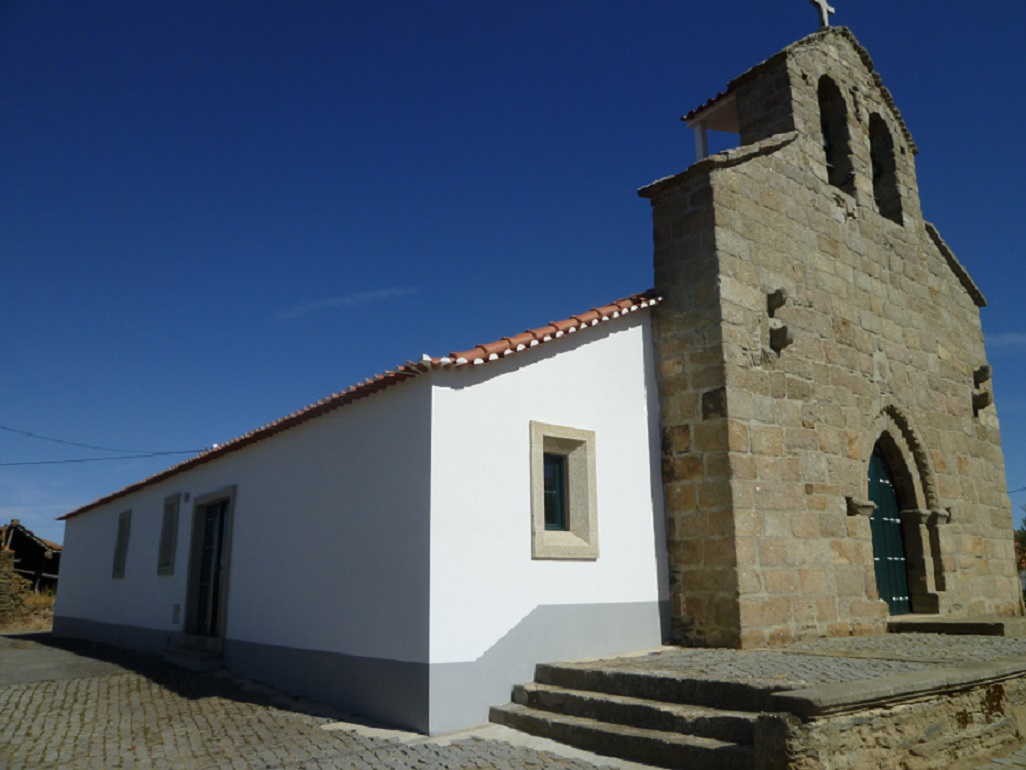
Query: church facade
829	432
791	436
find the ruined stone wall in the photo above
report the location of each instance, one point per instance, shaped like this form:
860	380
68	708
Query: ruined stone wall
13	590
839	326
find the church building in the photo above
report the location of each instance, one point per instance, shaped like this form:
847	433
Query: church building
790	436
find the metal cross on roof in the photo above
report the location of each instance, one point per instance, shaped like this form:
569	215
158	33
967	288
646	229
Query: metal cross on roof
825	9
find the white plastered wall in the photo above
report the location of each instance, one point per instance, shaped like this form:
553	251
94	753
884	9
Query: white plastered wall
141	599
484	581
329	540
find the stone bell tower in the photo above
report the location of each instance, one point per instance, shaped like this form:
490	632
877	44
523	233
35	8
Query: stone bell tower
831	455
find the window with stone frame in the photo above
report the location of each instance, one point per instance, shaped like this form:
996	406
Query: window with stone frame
564	510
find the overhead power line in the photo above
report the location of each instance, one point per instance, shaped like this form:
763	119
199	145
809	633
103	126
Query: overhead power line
137	452
93	459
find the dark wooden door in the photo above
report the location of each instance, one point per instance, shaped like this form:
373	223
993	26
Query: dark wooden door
888	539
208	599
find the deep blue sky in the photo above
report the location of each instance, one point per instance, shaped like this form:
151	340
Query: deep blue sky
214	213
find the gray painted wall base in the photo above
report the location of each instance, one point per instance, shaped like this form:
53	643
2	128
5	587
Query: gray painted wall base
133	637
462	693
394	692
415	696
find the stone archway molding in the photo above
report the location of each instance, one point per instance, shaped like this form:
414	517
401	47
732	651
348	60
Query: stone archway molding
896	424
921	511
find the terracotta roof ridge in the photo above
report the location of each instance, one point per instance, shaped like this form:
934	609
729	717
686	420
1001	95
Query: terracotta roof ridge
481	354
492	351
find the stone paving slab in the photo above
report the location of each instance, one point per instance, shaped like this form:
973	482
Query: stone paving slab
946	648
823	661
763	667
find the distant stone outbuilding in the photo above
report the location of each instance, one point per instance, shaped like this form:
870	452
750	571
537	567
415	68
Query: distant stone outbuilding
29	566
36	560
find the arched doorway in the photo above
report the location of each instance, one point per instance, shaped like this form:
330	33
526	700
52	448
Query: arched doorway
889	557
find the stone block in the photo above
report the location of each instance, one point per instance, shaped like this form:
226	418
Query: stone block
714	495
680	496
710	436
683	468
775	552
781	581
767	440
676	439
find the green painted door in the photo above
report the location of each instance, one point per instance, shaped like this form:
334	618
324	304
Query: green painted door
888	539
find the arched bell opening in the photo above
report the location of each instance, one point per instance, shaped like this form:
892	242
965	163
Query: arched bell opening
885	179
833	119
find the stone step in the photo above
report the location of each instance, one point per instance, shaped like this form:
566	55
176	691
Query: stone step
194	660
734	696
723	725
652	747
971	626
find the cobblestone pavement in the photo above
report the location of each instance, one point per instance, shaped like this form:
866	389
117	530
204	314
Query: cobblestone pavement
119	710
144	715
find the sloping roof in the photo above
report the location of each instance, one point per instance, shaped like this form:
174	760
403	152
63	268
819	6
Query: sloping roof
956	267
709	103
7	529
480	354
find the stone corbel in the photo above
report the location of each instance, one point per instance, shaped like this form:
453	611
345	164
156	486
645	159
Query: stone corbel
780	335
941	515
983	397
775	301
857	507
916	516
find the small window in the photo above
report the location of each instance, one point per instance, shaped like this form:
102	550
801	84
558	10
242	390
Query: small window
121	544
563	493
168	536
555	492
833	120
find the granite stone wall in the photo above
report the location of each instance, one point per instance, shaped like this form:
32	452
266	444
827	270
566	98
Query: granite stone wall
954	730
807	319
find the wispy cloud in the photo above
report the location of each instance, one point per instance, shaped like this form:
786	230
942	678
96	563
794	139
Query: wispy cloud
1007	340
347	300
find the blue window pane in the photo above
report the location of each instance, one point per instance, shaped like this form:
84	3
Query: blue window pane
555	492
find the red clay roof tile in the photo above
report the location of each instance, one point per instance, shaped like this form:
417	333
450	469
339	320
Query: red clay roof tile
703	107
